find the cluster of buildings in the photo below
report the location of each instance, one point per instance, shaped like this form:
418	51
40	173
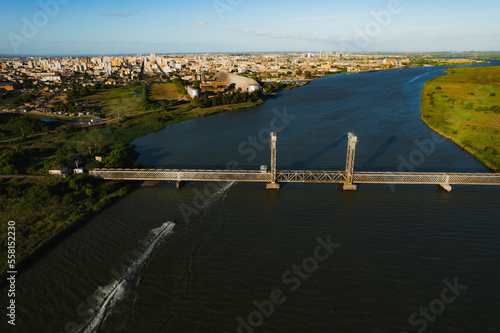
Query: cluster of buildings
49	78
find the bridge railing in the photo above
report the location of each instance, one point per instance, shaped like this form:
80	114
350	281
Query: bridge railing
182	175
427	178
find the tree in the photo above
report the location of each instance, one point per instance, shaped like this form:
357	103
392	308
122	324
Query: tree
121	156
78	183
116	158
9	160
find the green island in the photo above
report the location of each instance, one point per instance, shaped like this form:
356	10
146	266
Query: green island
46	207
464	106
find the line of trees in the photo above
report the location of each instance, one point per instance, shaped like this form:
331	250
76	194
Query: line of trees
180	84
13	99
225	99
24	125
82	91
145	102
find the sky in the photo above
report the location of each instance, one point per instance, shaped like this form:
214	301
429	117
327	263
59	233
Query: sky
83	27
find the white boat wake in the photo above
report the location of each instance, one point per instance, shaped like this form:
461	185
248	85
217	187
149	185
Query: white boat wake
217	195
417	77
114	291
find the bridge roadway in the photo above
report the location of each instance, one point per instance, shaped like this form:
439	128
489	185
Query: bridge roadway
297	176
274	177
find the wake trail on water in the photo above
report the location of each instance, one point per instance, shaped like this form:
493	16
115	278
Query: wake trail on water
417	77
216	197
115	291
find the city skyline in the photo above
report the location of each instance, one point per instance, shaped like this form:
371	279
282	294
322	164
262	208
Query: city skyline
71	27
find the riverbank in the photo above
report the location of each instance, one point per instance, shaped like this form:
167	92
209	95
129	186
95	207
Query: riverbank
100	136
47	208
464	106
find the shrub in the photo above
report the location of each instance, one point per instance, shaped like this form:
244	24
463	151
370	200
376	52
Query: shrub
491	151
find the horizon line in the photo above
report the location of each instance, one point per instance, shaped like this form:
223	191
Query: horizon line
231	52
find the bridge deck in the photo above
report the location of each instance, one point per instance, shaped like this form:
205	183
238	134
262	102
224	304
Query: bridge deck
427	178
183	175
299	176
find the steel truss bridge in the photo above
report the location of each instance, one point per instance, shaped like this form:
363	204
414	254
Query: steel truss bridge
274	177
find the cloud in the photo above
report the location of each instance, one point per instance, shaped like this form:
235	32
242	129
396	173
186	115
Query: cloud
309	37
121	14
326	17
198	24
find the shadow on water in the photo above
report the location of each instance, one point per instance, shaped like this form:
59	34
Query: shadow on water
378	153
302	165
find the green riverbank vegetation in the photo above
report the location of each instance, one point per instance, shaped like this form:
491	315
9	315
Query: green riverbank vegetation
48	207
464	106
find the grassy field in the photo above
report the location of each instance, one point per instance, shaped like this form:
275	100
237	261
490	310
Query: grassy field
118	101
464	105
165	91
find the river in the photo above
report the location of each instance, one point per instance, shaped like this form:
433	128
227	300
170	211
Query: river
306	258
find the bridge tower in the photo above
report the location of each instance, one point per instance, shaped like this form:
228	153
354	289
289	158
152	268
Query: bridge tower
349	167
273	185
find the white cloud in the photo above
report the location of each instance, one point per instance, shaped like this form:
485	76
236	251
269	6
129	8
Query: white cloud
326	17
198	24
121	14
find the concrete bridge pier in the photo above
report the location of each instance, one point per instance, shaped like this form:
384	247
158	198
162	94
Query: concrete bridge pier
179	184
273	186
446	186
350	187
